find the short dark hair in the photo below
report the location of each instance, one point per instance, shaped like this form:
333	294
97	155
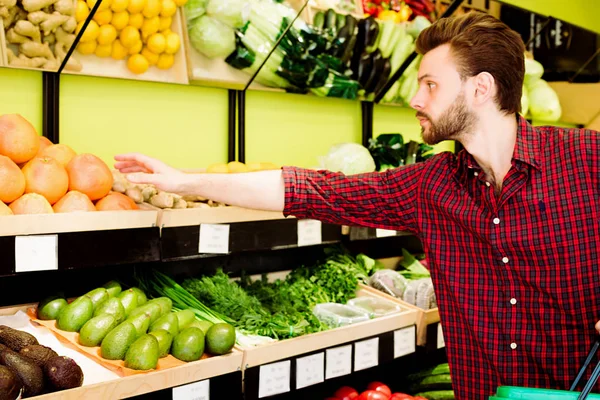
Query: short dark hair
482	43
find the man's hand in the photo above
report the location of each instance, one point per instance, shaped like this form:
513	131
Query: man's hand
139	168
598	326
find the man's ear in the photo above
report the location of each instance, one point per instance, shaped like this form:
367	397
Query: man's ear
485	87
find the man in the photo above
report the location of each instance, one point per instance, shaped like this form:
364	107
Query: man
510	226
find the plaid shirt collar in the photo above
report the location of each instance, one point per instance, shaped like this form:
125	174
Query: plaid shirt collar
527	150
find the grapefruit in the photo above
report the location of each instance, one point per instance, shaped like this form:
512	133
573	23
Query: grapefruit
60	152
31	203
46	176
72	202
4	209
44	142
116	201
18	139
12	180
89	175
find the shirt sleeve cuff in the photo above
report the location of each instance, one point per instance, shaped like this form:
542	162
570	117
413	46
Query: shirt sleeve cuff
293	197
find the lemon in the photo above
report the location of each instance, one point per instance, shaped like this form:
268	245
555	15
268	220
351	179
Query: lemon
103	50
119	5
103	17
169	8
129	36
217	169
253	166
120	20
157	43
152	8
136	20
151	25
81	11
150	56
166	31
136	48
87	48
265	166
107	35
165	23
118	51
165	61
235	167
136	6
138	64
105	5
180	3
91	32
173	43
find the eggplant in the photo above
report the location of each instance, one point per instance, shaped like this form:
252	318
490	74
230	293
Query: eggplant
377	64
358	48
351	22
319	20
371	31
349	47
385	75
339	44
365	67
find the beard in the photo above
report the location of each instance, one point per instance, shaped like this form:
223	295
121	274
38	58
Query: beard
454	123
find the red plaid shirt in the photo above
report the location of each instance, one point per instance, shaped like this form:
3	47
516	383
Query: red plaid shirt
516	276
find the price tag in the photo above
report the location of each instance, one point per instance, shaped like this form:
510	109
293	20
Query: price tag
380	233
36	253
274	379
193	391
440	337
309	232
339	362
404	341
310	370
366	354
214	239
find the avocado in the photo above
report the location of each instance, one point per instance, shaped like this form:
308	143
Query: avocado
30	374
220	339
38	354
141	296
165	303
142	354
188	345
168	322
113	307
15	339
129	299
10	384
113	288
165	339
153	309
115	344
63	373
76	314
92	333
50	308
185	318
141	323
98	296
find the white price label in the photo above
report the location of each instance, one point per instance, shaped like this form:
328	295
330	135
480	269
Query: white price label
310	370
274	379
440	337
339	362
36	253
309	232
404	341
380	233
214	239
193	391
366	354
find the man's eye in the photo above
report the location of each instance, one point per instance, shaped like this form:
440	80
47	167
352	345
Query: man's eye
430	85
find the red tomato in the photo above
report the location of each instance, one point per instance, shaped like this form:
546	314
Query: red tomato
373	395
346	393
380	387
403	396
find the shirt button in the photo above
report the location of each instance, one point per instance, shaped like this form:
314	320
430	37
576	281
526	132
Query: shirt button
513	346
476	173
487	184
496	221
513	301
505	260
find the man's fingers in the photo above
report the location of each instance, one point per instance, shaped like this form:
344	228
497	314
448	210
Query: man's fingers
135	168
598	326
126	164
141	177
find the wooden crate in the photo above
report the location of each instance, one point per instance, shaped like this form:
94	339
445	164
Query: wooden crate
491	7
169	218
580	102
3	60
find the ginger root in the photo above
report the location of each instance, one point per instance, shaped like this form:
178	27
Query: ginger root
33	49
26	28
23	60
36	5
65	7
48	22
50	39
135	194
180	203
70	25
148	192
14	38
61	52
8	3
162	200
64	37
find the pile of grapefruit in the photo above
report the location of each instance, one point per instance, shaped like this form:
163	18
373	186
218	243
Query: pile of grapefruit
39	177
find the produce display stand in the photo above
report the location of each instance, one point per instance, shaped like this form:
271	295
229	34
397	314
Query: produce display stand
3	60
312	8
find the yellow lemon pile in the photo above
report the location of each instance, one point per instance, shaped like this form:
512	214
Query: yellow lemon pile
136	30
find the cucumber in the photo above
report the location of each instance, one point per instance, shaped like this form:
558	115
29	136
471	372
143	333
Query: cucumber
433	382
442	369
319	20
437	395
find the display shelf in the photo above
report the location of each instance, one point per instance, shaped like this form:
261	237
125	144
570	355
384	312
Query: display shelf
426	320
77	240
575	102
242	230
3	60
283	366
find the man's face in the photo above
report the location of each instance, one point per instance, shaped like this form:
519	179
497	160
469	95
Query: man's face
441	101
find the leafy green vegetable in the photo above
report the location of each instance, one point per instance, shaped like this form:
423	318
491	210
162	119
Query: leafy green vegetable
194	9
230	12
413	269
211	37
390	151
349	158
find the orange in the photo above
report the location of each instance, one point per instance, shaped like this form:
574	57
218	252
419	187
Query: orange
89	175
44	142
31	203
4	209
60	152
72	202
12	180
115	201
18	139
46	176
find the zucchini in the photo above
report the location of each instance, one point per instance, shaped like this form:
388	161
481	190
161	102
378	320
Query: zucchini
340	21
437	395
432	382
319	20
441	369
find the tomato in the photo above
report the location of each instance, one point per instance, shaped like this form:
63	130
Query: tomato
403	396
380	387
346	393
373	395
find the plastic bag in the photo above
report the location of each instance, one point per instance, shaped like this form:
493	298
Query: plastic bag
349	158
335	315
389	281
233	13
